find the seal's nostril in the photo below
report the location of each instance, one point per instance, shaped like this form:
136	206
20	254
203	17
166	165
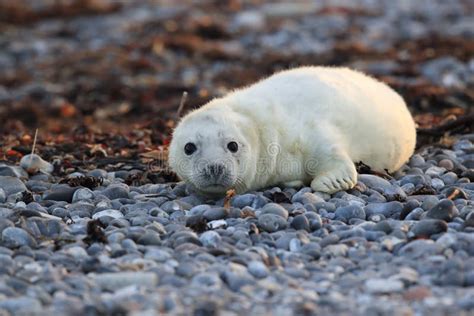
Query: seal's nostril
215	170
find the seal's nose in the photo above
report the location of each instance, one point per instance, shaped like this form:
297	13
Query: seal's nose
215	170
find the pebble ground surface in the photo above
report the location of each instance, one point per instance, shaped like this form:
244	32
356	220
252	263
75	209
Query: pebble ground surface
98	244
403	246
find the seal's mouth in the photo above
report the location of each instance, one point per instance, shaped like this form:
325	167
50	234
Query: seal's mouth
213	187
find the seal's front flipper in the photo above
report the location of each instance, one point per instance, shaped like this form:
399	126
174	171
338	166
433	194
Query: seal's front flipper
338	175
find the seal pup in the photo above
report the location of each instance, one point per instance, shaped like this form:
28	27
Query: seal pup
306	125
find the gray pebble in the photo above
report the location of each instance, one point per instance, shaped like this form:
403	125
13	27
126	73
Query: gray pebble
83	194
415	214
117	280
336	250
215	213
13	237
444	210
60	193
428	227
11	185
276	209
390	191
389	210
150	238
116	191
112	214
241	201
210	239
384	286
257	269
348	212
271	222
306	198
300	222
469	222
21	305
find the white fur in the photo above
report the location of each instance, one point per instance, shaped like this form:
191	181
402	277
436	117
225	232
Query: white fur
308	125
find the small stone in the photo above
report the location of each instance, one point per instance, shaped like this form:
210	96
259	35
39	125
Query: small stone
82	194
215	213
315	221
3	196
437	184
76	252
21	305
417	160
420	248
415	214
258	269
237	280
116	191
210	239
11	185
446	164
389	210
348	212
220	223
241	201
435	171
427	227
312	249
13	237
390	191
300	222
149	238
61	193
271	222
249	19
113	214
207	280
273	208
12	171
449	178
444	210
469	222
447	240
429	202
157	254
118	280
383	286
33	163
417	293
97	173
337	250
306	198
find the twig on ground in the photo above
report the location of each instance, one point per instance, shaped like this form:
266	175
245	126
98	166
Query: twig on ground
181	104
34	146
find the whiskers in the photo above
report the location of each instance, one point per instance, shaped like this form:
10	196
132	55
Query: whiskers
240	185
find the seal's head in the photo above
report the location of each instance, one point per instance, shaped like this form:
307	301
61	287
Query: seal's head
212	150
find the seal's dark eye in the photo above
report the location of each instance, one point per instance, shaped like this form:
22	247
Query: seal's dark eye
189	148
233	147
